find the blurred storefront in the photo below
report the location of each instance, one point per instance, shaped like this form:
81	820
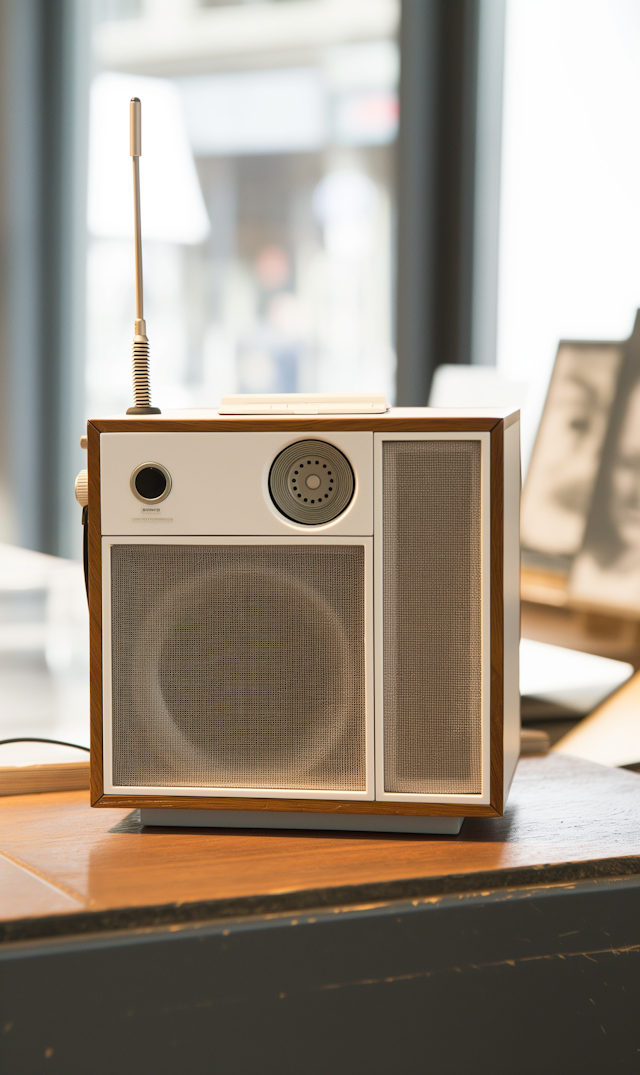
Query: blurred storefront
268	197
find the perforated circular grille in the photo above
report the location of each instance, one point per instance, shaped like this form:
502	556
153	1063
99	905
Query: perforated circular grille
311	482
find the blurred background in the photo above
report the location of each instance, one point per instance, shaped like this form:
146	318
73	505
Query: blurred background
337	195
270	215
420	197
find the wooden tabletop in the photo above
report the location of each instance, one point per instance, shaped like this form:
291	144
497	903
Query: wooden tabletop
65	868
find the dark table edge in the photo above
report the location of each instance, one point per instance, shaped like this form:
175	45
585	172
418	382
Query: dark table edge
121	919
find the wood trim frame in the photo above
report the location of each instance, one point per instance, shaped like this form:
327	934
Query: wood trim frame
95	613
409	422
497	619
376	423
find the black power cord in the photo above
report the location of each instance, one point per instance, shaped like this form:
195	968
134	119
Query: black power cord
85	547
56	742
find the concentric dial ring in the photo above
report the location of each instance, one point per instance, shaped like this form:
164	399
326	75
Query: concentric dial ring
311	482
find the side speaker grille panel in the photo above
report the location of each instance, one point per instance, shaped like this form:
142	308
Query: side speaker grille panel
432	617
238	666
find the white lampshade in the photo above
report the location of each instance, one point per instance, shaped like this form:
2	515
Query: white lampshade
173	208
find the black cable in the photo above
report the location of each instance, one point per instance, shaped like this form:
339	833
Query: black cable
85	547
56	742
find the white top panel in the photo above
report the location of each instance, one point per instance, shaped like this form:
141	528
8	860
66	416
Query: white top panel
219	483
198	414
305	403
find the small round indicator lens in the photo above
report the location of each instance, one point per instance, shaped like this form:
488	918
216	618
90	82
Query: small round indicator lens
151	482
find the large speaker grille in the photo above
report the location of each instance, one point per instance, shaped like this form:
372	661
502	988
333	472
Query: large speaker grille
238	666
432	617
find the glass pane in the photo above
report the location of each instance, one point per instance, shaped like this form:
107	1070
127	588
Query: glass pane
570	215
268	199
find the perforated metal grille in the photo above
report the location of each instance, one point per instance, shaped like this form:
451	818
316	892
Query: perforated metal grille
311	482
238	666
432	617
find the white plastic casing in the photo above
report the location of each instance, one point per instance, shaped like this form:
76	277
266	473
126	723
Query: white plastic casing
220	484
220	490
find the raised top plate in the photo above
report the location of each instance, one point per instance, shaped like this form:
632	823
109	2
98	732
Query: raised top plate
305	403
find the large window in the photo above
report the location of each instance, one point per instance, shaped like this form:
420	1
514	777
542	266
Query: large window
268	198
570	218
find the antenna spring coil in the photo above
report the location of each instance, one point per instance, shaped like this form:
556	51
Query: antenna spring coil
141	389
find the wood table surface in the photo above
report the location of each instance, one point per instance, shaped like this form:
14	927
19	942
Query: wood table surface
65	868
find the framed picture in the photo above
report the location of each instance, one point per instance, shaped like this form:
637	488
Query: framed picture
607	571
566	456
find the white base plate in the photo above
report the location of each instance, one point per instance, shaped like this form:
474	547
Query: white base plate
272	819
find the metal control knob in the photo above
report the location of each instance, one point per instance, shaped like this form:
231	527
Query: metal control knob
82	488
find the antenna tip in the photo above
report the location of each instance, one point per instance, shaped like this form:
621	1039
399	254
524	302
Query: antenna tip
135	110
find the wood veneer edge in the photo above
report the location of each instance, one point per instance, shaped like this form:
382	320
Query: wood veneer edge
95	615
368	423
497	619
99	799
310	806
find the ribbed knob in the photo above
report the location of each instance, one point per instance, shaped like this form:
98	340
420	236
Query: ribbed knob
82	488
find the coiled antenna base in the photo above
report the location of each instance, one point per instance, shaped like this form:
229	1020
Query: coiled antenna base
141	389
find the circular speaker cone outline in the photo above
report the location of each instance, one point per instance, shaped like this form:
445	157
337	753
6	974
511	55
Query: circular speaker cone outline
306	505
146	499
164	734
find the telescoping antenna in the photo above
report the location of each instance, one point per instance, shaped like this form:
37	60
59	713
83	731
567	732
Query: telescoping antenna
141	389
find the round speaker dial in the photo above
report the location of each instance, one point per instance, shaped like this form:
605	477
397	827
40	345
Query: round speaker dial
151	483
311	482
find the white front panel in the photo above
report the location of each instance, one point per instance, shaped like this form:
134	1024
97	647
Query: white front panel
483	796
191	672
219	483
